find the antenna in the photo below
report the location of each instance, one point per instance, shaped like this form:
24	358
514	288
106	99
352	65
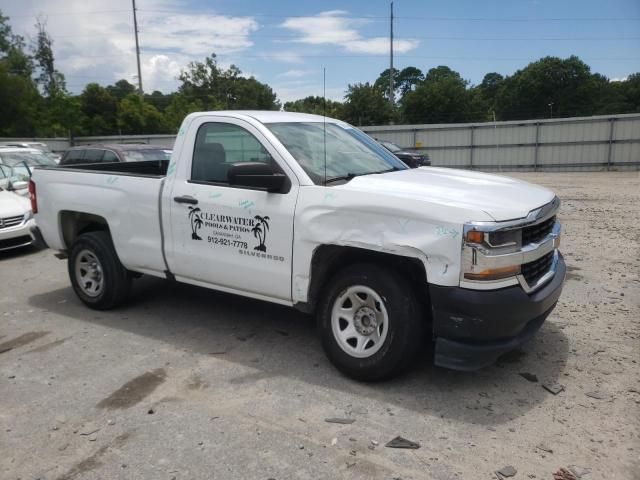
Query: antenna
324	119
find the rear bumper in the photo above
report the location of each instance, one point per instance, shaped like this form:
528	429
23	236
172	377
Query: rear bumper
473	328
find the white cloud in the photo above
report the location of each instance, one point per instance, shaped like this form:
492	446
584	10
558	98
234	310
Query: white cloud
94	41
380	45
295	73
282	56
334	28
618	79
288	92
160	73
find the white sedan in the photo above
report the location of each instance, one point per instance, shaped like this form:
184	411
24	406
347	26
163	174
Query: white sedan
16	221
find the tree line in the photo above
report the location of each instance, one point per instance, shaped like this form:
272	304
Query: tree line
35	101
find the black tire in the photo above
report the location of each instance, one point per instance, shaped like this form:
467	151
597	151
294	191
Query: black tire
404	337
116	281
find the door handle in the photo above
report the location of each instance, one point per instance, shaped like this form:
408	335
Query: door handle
186	199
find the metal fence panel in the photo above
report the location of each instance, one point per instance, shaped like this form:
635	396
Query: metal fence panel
581	143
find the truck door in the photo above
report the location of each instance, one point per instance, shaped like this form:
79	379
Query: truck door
229	237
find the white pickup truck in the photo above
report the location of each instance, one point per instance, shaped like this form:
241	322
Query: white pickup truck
310	212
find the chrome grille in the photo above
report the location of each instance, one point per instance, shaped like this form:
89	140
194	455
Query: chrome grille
11	221
533	271
536	233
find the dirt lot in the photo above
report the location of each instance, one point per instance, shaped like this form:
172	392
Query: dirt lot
184	383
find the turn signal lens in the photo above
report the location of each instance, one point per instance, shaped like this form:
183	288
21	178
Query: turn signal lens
475	236
494	273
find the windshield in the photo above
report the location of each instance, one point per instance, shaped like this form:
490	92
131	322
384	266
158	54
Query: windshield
30	158
349	152
391	146
140	155
19	173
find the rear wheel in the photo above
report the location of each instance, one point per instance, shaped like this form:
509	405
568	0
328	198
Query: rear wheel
96	274
370	322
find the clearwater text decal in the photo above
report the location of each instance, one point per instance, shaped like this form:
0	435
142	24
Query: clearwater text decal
247	234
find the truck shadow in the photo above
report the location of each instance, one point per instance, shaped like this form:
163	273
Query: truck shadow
280	342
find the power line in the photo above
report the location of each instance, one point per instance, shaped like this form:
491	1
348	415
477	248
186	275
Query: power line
368	37
346	17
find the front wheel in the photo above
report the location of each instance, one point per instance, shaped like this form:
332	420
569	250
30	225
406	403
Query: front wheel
370	322
97	276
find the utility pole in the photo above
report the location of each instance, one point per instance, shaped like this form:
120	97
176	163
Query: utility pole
135	29
391	99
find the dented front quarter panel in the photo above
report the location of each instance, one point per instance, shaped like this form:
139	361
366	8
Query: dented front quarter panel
382	222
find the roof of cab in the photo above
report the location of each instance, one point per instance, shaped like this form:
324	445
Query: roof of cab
268	116
12	149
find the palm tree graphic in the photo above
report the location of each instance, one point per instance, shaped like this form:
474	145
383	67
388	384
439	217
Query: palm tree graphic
260	231
196	222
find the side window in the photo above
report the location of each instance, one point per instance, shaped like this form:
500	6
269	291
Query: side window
109	156
72	156
93	155
218	146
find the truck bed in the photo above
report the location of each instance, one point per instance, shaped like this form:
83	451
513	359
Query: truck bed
125	195
147	168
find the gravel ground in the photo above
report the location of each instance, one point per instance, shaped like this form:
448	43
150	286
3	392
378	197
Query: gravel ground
184	383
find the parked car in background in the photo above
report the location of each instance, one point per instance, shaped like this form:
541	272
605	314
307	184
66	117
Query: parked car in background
43	147
16	166
116	152
16	221
412	159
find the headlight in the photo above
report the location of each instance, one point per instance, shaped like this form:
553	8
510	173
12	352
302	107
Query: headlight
28	216
482	244
504	240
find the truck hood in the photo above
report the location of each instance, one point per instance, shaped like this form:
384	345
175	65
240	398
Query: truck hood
502	198
12	205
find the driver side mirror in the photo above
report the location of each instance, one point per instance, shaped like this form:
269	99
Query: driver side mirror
256	175
18	185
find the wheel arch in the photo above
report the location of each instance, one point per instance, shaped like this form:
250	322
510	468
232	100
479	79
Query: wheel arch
74	224
327	260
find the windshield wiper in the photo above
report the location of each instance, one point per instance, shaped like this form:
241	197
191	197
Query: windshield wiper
346	177
392	169
349	176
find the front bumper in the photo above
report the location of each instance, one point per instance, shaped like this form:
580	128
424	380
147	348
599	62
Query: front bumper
473	328
18	236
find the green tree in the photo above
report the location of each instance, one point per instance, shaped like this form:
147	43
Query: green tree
366	105
441	98
135	116
100	110
408	79
13	51
121	89
19	97
316	105
50	79
218	89
404	81
550	86
179	107
19	103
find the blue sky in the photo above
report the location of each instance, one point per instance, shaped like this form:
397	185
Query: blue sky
286	43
